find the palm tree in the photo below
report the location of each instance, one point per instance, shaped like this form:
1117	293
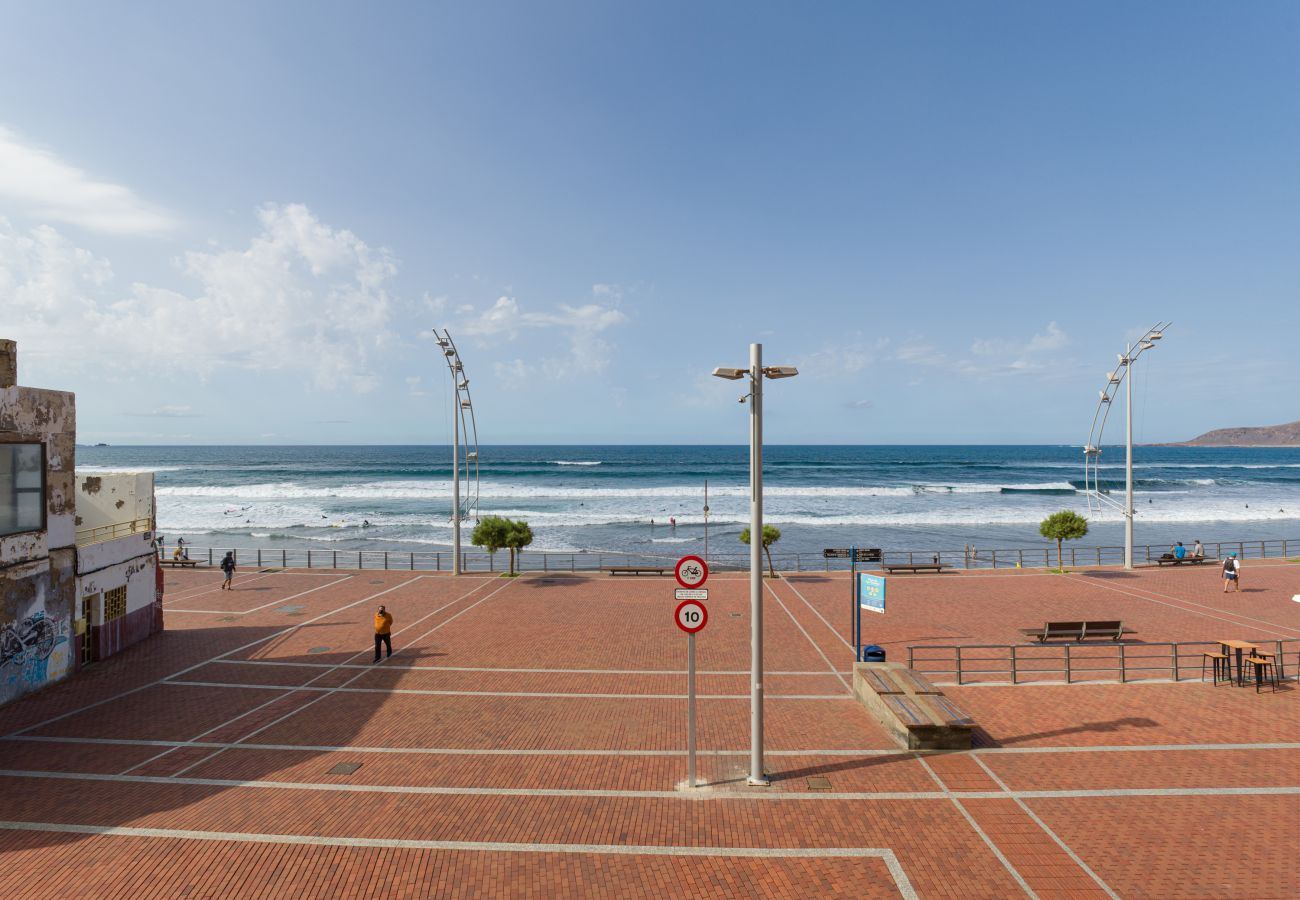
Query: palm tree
771	534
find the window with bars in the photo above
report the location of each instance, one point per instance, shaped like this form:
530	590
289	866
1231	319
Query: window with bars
22	488
114	603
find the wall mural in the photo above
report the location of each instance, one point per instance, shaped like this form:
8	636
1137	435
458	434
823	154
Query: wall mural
32	651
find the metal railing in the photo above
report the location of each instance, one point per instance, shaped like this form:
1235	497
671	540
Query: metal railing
792	561
1076	662
116	530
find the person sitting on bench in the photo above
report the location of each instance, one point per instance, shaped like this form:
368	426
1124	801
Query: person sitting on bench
1180	552
1198	550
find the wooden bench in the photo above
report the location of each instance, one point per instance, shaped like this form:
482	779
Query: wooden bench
634	570
179	562
1106	629
1175	561
910	708
891	568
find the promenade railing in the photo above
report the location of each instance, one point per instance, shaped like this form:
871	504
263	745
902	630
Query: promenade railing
1077	662
575	561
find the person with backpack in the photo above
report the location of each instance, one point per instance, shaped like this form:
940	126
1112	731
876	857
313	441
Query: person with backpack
1231	573
228	566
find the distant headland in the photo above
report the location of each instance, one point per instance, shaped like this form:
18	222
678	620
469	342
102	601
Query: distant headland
1287	435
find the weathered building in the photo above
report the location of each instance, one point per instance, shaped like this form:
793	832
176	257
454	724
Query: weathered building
72	589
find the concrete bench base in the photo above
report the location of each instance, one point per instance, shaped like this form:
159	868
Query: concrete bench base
915	712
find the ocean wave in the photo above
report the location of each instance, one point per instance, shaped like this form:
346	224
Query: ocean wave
575	462
133	470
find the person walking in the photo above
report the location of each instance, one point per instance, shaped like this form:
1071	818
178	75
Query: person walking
228	567
383	631
1231	573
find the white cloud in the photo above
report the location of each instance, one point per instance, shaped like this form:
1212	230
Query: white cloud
40	184
582	327
843	358
1001	356
302	297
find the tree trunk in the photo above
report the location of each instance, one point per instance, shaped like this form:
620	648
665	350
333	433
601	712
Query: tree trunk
771	570
512	560
1058	554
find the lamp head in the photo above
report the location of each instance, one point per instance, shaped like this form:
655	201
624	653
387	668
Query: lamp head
780	371
730	374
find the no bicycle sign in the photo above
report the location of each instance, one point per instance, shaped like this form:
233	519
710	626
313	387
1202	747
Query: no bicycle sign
691	572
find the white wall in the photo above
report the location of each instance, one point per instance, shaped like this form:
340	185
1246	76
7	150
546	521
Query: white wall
113	497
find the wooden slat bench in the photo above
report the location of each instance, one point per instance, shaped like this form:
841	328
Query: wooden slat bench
1188	560
910	708
1104	629
891	568
635	570
183	563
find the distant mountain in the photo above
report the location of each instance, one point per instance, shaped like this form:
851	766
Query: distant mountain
1287	435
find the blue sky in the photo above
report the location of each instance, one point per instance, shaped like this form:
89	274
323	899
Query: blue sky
237	222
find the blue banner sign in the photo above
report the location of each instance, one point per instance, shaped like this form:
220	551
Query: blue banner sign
871	592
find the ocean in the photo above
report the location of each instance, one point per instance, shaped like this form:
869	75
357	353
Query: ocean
621	498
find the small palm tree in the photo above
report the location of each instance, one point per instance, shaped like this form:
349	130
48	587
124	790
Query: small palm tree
1065	525
495	532
518	536
771	534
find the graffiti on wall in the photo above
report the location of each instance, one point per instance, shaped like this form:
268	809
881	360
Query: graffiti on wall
33	651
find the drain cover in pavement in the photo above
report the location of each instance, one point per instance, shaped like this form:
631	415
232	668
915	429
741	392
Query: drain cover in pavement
819	783
320	649
376	581
735	615
227	618
344	769
290	609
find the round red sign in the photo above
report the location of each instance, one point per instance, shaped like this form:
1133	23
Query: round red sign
691	572
691	616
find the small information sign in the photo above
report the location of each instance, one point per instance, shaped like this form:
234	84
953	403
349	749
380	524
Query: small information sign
691	594
871	592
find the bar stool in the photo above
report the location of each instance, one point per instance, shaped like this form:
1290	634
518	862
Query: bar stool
1222	666
1264	671
1272	657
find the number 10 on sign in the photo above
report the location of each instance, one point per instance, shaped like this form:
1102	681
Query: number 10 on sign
691	616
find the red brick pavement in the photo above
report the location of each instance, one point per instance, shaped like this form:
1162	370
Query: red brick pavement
582	769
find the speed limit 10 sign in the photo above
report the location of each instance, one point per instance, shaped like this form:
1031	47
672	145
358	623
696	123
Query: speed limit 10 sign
691	572
691	616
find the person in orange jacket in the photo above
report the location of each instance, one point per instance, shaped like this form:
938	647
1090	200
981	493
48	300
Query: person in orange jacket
383	631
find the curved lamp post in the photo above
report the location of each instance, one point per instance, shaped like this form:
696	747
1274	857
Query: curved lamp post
756	373
1092	450
464	423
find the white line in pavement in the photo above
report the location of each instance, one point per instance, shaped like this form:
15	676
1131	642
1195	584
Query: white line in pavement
1050	833
804	632
1175	605
414	668
275	699
707	795
199	665
975	826
891	861
315	700
437	693
500	751
818	614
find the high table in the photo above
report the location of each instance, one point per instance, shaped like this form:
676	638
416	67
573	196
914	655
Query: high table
1239	646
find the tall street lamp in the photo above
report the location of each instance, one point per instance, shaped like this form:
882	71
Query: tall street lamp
756	373
463	420
1123	374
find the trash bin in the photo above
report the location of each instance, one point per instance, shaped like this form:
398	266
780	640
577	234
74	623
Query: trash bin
873	653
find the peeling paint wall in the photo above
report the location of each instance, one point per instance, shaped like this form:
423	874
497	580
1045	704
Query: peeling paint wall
38	568
113	498
138	574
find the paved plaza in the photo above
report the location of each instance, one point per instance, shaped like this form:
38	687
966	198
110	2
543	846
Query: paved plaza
527	738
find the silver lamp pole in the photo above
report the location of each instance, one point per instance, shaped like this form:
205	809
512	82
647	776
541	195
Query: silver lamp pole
1128	459
1092	450
756	774
756	373
455	481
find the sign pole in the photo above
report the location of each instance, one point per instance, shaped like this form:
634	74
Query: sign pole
690	709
